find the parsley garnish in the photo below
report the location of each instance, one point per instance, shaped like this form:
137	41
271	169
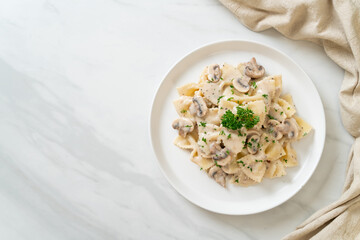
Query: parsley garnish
273	141
265	96
229	136
217	164
220	98
269	116
188	126
239	133
202	124
232	89
229	99
203	139
253	84
288	108
241	163
201	169
222	132
227	151
304	134
258	160
243	118
237	180
183	111
281	113
285	160
221	78
266	139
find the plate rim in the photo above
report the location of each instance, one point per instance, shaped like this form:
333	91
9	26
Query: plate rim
151	131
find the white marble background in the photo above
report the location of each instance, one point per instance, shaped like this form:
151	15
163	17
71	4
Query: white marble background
76	83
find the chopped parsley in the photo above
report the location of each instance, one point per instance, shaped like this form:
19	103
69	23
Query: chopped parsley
304	134
217	164
203	139
183	111
266	139
222	132
229	136
218	100
227	152
258	160
237	180
241	163
273	141
230	98
269	116
243	118
202	124
221	78
265	109
285	160
188	126
281	113
232	89
253	84
288	108
275	110
201	169
240	134
265	96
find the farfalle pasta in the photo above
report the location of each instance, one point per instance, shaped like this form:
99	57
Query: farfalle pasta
237	124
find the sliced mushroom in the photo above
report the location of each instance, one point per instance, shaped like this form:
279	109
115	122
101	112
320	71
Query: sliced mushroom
198	106
254	70
219	154
275	128
218	174
252	141
184	126
242	84
291	128
214	73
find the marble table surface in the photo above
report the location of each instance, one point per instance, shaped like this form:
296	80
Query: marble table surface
77	82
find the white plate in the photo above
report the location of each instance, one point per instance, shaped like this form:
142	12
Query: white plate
195	185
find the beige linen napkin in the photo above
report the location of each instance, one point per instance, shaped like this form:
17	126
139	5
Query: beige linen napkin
335	25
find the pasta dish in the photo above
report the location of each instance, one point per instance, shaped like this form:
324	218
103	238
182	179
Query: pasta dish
237	124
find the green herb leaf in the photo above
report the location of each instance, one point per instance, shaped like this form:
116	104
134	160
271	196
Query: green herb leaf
183	111
229	136
188	125
202	124
265	96
269	116
222	132
253	84
230	98
243	118
203	139
218	100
